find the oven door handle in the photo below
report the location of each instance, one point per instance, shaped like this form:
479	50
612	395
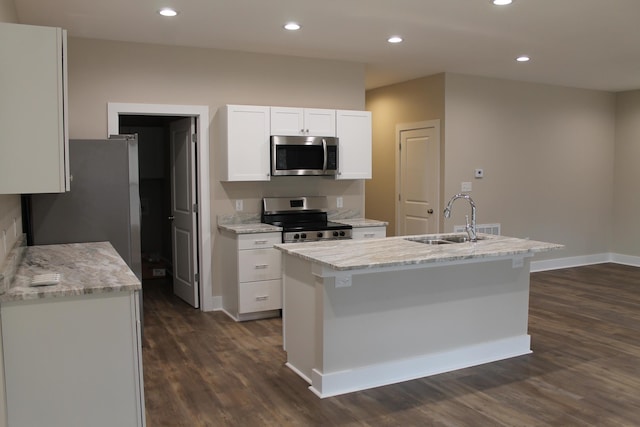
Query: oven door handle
324	149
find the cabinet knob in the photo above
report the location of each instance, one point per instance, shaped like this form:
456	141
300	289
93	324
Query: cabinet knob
430	211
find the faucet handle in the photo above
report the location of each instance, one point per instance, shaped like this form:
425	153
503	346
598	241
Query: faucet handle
466	220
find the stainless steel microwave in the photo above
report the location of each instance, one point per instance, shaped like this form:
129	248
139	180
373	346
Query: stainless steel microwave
304	155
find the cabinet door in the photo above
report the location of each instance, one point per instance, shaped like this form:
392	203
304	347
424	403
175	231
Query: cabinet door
33	138
287	121
245	143
319	122
353	129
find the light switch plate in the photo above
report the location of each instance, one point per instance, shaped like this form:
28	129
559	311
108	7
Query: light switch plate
339	202
466	187
239	206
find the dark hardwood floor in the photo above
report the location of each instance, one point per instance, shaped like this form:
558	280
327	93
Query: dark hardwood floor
203	369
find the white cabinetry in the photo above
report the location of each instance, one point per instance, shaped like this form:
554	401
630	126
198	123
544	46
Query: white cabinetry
33	138
303	121
353	129
74	361
252	276
377	232
244	143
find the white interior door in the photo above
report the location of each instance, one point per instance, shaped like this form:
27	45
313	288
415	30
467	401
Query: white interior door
184	210
419	209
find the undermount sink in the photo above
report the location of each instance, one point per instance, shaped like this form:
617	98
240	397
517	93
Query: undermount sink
443	240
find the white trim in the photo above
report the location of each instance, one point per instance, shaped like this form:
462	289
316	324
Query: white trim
578	261
115	109
414	126
366	377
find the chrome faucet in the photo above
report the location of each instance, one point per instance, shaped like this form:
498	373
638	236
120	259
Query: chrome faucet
470	228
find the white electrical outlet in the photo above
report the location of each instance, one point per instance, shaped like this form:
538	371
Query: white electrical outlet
466	187
339	202
239	206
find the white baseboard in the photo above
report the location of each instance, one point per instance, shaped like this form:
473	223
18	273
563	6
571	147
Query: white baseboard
341	382
626	259
558	263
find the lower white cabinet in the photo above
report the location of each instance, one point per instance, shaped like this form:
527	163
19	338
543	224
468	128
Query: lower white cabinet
377	232
252	275
73	361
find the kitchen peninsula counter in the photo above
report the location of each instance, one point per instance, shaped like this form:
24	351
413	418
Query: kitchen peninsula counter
359	314
72	352
84	268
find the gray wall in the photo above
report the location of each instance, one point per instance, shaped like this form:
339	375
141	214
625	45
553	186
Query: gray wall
105	71
627	175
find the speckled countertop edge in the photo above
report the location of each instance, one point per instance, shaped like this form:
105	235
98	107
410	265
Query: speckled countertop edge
85	268
344	255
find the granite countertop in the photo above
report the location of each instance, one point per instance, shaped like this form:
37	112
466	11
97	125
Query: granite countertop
361	222
397	251
85	268
256	227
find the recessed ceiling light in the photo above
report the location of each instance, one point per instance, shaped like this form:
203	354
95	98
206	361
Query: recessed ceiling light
501	2
394	39
167	12
523	58
292	26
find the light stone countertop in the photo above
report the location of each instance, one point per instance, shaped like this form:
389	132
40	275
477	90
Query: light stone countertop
397	251
361	222
256	227
85	268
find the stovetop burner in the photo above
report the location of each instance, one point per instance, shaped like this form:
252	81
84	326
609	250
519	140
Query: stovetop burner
303	219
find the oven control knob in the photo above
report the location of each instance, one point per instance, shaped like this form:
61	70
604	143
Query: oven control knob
342	233
335	234
303	235
319	234
296	236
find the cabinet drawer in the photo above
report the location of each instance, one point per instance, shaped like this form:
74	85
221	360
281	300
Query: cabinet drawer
260	296
259	264
369	233
259	240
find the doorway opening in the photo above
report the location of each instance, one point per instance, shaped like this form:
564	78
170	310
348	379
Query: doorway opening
154	168
168	195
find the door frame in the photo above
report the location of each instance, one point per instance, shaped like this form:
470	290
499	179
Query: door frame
201	112
401	127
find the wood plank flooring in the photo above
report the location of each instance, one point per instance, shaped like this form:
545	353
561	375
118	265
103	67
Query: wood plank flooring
203	369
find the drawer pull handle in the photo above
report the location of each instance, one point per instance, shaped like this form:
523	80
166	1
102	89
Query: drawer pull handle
369	235
260	242
261	266
262	298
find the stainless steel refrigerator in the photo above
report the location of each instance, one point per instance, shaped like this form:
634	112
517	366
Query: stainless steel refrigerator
104	201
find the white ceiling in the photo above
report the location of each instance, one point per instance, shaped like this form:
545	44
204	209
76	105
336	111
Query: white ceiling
591	44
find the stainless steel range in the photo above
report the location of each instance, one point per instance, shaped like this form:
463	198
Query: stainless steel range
303	219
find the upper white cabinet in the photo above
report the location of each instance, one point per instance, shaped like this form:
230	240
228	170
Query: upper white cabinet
33	137
353	129
303	121
244	141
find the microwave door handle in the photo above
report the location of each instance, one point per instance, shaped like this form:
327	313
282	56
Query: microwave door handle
324	149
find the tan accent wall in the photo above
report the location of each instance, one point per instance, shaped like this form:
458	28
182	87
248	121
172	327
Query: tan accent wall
8	11
626	212
412	101
547	154
106	71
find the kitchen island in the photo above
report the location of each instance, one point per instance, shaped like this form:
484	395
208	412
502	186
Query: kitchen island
364	313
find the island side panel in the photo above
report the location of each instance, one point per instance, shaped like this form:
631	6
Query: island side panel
299	315
397	325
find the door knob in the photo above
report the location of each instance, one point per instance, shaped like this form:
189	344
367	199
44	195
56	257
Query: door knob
430	211
171	218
